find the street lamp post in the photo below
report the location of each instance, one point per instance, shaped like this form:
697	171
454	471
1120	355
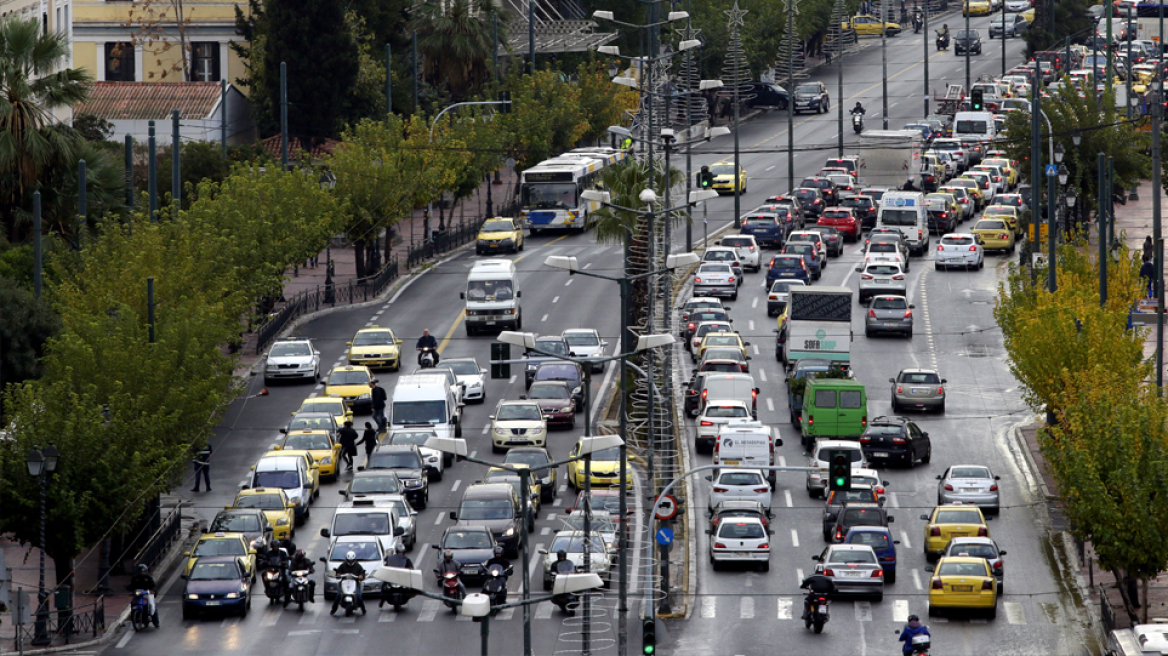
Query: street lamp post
1052	218
969	41
883	62
41	463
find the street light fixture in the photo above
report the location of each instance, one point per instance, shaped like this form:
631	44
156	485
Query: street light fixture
1063	174
1058	154
41	463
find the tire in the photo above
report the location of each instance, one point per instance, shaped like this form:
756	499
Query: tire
895	406
993	614
981	263
438	476
547	584
715	564
495	448
189	613
879	597
928	456
909	333
938	267
458	429
818	626
941	409
734	297
246	608
138	619
932	611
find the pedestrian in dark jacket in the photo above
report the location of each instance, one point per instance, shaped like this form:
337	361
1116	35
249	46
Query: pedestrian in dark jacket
377	393
369	439
203	467
1148	274
1149	248
348	439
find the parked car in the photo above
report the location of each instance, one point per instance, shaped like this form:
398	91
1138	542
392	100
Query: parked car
766	94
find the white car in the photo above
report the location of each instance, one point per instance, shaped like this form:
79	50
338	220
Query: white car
718	413
871	478
817	463
883	251
725	255
517	423
778	295
739	484
434	460
1017	5
470	375
959	250
713	279
586	343
369	554
853	569
292	359
809	235
881	278
749	252
741	540
573	542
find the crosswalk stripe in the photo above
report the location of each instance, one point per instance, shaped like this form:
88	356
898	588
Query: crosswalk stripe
311	612
785	605
900	611
505	614
271	616
746	608
462	618
429	610
709	607
863	611
1014	613
543	611
386	617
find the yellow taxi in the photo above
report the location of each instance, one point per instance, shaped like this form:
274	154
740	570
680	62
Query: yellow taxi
952	521
1028	15
995	234
274	502
724	178
223	544
534	486
946	200
724	340
499	234
605	468
351	383
1007	212
333	405
375	347
865	25
325	451
963	582
972	186
1009	167
976	8
310	465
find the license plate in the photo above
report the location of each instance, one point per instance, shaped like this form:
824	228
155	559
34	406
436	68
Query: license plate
212	603
494	245
852	574
970	489
883	281
919	390
490	323
963	588
880	454
730	463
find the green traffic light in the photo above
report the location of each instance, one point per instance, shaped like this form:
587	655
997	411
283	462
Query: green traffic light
839	482
648	650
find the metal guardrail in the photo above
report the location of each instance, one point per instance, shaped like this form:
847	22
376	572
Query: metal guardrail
1106	610
160	541
442	242
63	625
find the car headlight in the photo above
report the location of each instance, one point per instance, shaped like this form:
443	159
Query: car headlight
412	482
327	460
232	595
577	390
510	532
273	367
501	431
192	596
283	521
432	459
567	408
532	367
295	501
475	384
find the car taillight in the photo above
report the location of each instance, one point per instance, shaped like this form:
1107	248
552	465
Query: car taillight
940	390
983	532
935	532
877	573
948	487
887	559
898	440
704	392
691	327
828	572
899	276
818	201
707	423
719	545
810	419
940	247
864	420
1003	236
737	264
762	489
920	235
994	487
900	389
721	489
865	439
696	279
987	584
871	314
864	276
944	215
839	536
997	564
764	545
908	314
973	249
937	584
752	249
731	279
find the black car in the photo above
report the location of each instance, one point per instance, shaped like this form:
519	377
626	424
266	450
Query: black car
705	314
787	209
863	208
569	372
967	39
812	97
766	94
693	394
825	186
857	514
811	201
406	461
837	499
548	344
895	440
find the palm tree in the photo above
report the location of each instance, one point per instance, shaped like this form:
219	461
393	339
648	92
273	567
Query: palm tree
456	39
32	87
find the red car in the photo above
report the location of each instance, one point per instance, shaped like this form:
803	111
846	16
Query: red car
555	401
842	219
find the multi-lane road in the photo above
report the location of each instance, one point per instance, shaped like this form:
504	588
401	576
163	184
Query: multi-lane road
735	612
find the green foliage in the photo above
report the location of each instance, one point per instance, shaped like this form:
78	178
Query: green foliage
602	102
1070	20
93	128
456	42
201	160
105	190
26	323
546	117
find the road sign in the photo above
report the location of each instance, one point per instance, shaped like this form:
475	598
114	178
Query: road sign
666	507
1043	229
664	536
1051	170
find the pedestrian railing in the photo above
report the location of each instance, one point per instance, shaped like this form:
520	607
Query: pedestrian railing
1106	610
157	544
442	241
60	626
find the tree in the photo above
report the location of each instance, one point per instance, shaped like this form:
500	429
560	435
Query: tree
104	184
93	128
26	323
150	22
1070	20
33	85
456	39
201	160
546	117
604	103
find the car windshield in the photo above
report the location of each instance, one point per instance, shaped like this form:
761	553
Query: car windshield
883	248
468	540
601	522
877	541
348	378
394	460
724	411
373	338
882	270
958	517
737	242
419	412
722	340
990	225
308	442
957	241
362	523
607	502
558	347
722	169
881	430
806	194
846	556
489	290
381	484
582	338
462	367
807	88
331	406
312	423
804	248
885	303
721	256
611	454
825	455
741	530
533	459
214	572
290	349
363	550
785	285
740	478
498	226
976	549
235	523
721	353
549	196
961	569
862	517
898	217
575	544
220	547
519	412
548	392
969	472
762	220
920	378
852	496
281	479
261	501
504	476
558	372
787	262
410	437
711	327
485	509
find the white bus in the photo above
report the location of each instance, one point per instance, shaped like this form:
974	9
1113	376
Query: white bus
550	191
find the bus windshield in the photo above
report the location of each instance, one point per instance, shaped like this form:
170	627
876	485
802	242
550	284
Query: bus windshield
549	196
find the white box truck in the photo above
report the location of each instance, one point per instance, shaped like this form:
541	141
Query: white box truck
819	325
889	158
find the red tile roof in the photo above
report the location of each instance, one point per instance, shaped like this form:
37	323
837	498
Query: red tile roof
272	145
150	100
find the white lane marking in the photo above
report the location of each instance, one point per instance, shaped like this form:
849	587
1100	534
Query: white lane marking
787	498
536	562
438	520
544	318
369	324
379	312
454	488
556	299
762	375
900	611
551	517
548	529
794	538
917	580
271	616
126	638
511	381
893	500
709	607
588	265
746	608
462	618
755	347
769	168
229	621
942	620
429	610
310	614
242	483
785	605
782	461
386	617
543	611
303	632
556	502
474	453
1014	614
770	407
487	429
863	611
319	386
752	322
799	574
904	540
505	614
753	304
569	282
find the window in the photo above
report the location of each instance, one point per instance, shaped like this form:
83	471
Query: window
205	62
825	398
851	399
119	61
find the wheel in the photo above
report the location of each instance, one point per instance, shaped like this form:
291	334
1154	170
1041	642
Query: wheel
716	565
932	611
734	297
189	613
458	429
807	623
438	476
895	406
981	263
521	246
572	423
937	267
495	448
993	614
909	333
941	409
138	618
818	626
928	456
547	584
879	597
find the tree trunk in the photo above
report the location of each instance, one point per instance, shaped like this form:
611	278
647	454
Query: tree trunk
1144	594
359	256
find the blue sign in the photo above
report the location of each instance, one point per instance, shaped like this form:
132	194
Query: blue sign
1051	170
664	536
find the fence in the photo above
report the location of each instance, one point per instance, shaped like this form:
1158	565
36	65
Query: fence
311	300
442	242
1106	610
61	626
168	531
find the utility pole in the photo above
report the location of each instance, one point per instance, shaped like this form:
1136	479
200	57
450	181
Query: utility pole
175	163
968	78
790	100
152	182
883	60
82	202
129	152
839	89
689	75
1157	235
1035	175
284	115
415	67
1101	219
531	32
1052	230
1110	62
926	58
223	117
1004	40
388	82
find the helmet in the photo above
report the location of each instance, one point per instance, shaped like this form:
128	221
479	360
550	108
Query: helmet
945	26
498	550
143	569
299	553
351	557
260	544
913	618
562	554
399	548
448	554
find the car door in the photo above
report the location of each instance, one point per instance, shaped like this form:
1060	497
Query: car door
824	412
919	441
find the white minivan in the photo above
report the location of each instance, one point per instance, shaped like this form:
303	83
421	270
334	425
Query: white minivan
425	400
375	518
747	444
974	125
905	211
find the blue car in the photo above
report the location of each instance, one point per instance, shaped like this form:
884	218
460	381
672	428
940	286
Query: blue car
880	539
810	254
769	229
217	583
787	267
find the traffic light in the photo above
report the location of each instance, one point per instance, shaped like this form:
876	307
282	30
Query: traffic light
649	636
839	469
977	102
505	98
500	351
705	178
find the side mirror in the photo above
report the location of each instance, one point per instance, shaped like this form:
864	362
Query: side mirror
709	478
283	431
896	542
351	343
541	551
325	561
892	380
183	577
930	569
938	477
924	518
1002	552
997	478
518	294
186	553
454	515
816	559
859	269
709	532
434	547
462	295
944	380
324	533
891	519
911	306
278	448
398	531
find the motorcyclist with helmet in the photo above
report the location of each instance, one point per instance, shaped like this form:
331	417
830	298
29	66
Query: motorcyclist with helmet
817	585
498	559
396	559
142	580
911	630
351	566
449	564
563	566
427	341
301	562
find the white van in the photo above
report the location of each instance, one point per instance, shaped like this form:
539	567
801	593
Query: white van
425	400
746	444
492	297
905	211
367	517
729	387
974	125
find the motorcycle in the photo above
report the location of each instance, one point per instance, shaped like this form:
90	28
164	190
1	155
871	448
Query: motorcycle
817	614
427	360
568	601
140	610
300	588
274	585
920	644
395	595
918	23
452	590
496	586
858	123
348	590
942	41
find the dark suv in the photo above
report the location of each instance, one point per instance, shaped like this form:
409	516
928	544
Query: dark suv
811	201
825	186
967	39
768	228
766	94
895	440
811	97
857	514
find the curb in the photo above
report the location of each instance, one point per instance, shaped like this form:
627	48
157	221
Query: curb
1020	440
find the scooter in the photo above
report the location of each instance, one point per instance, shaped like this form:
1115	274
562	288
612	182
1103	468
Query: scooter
920	644
858	123
274	585
496	586
942	41
427	361
300	587
395	595
817	614
348	591
918	23
452	590
140	610
569	601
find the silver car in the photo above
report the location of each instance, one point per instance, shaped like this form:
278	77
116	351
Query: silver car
980	548
586	343
470	375
853	569
714	279
778	294
889	314
918	388
969	484
292	358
